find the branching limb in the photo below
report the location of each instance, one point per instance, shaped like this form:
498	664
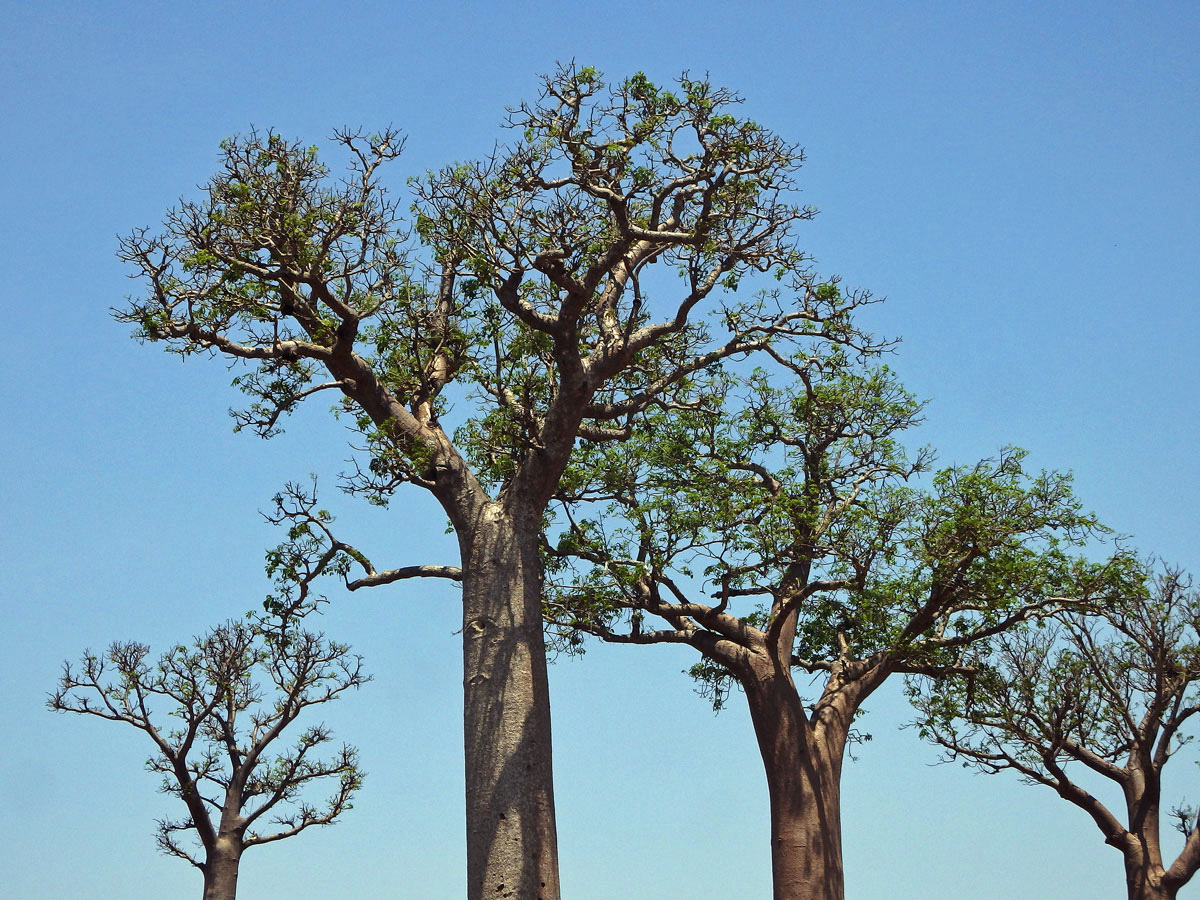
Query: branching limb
227	720
312	550
165	836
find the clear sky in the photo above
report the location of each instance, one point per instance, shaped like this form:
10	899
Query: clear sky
1021	181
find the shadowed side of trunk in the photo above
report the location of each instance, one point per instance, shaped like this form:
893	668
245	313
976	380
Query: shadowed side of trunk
511	836
1144	874
1145	882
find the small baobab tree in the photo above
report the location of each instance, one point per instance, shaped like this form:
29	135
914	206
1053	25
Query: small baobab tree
216	712
1087	699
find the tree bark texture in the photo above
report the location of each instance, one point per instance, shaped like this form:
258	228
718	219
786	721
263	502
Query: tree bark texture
221	871
511	832
1145	876
1144	879
1145	889
803	766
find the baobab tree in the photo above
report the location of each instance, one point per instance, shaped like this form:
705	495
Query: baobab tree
526	296
770	527
1089	698
216	712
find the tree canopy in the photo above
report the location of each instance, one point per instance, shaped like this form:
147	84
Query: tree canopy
778	526
1108	695
547	295
216	712
803	506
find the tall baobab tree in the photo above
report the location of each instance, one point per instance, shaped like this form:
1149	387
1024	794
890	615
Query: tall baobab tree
527	300
772	529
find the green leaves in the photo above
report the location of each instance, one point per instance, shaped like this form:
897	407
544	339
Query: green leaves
521	279
746	492
270	262
789	502
1106	688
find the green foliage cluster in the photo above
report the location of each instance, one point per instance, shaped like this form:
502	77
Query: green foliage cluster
792	505
518	279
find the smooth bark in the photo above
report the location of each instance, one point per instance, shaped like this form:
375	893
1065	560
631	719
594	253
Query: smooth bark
511	833
803	764
1144	881
221	869
1145	876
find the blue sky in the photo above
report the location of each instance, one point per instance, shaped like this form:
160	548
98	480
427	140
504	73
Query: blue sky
1020	180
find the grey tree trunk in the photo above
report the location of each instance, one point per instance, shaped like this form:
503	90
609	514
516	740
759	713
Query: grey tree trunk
803	768
221	870
511	832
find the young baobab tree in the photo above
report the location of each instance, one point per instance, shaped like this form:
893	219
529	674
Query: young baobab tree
781	540
216	712
1111	695
528	297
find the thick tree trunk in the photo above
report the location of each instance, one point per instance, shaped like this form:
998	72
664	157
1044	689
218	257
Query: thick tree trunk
1145	890
1144	880
511	837
221	870
804	769
1144	873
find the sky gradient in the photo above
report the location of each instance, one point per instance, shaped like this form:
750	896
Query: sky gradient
1019	180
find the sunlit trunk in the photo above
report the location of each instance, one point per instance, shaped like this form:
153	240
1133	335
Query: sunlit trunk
1148	889
1144	878
511	836
804	779
221	870
1144	872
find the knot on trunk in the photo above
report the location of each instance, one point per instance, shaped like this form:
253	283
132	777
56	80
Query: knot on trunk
478	626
